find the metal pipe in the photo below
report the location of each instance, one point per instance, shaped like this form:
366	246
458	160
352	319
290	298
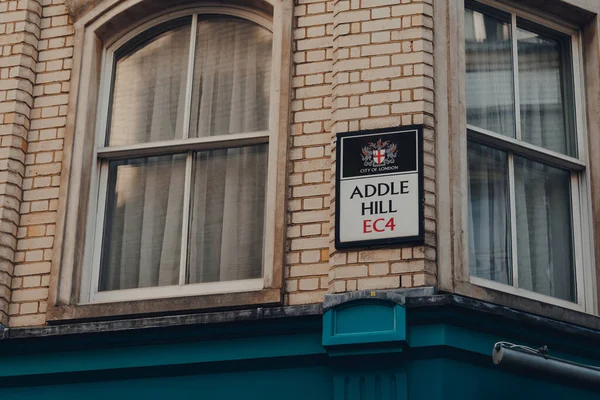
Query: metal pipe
549	367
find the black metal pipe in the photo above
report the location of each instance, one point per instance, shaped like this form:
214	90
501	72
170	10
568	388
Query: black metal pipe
545	366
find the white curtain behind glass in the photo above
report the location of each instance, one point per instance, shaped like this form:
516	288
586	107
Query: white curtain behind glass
489	214
230	95
544	241
543	204
226	233
231	78
542	193
489	85
542	93
142	236
149	91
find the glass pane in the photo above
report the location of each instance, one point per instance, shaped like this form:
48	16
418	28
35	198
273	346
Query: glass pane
149	91
544	241
489	81
489	214
231	78
545	114
142	233
226	233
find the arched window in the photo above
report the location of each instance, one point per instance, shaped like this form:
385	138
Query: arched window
182	154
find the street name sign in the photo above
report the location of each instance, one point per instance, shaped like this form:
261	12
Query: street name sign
379	187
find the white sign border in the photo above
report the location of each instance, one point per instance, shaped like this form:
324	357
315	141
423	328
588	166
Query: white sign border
370	243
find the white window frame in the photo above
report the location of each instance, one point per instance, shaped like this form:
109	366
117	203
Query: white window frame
93	248
453	152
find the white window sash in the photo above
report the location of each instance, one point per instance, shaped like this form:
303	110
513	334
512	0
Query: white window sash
102	154
579	182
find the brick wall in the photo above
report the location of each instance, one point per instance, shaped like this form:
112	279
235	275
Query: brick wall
358	64
42	166
383	77
19	34
310	155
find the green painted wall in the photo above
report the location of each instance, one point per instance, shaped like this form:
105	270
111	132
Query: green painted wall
288	383
364	351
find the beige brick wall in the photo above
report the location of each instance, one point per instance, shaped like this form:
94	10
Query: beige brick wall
19	34
307	265
42	166
383	77
358	64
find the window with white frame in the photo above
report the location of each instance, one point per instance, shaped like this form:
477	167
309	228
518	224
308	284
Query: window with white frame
526	155
182	160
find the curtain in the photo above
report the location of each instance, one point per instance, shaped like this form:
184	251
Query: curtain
231	78
227	214
542	93
230	95
542	193
489	214
544	230
149	91
489	84
142	236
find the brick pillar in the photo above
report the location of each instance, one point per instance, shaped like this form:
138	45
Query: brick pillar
43	165
307	256
19	34
383	77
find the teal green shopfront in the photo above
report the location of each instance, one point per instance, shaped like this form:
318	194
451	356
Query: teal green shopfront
372	347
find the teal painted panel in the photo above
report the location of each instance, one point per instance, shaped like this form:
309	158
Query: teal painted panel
364	322
161	355
454	336
365	318
276	384
382	385
453	379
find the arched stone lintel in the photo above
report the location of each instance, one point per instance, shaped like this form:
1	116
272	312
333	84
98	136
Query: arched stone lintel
79	8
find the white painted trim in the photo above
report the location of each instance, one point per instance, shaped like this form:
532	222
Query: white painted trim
183	145
187	111
581	213
97	190
514	251
515	70
536	15
525	149
240	12
525	293
577	238
588	276
185	223
98	231
186	144
177	291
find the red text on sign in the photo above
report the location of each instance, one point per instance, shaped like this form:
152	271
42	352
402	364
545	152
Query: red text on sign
378	225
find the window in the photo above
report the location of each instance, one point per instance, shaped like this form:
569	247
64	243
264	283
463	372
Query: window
182	155
526	155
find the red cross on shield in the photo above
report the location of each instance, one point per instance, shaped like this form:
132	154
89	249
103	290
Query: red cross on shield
379	156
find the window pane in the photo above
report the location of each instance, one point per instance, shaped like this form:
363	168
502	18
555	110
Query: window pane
149	91
489	81
231	78
545	114
142	233
544	241
489	214
227	214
